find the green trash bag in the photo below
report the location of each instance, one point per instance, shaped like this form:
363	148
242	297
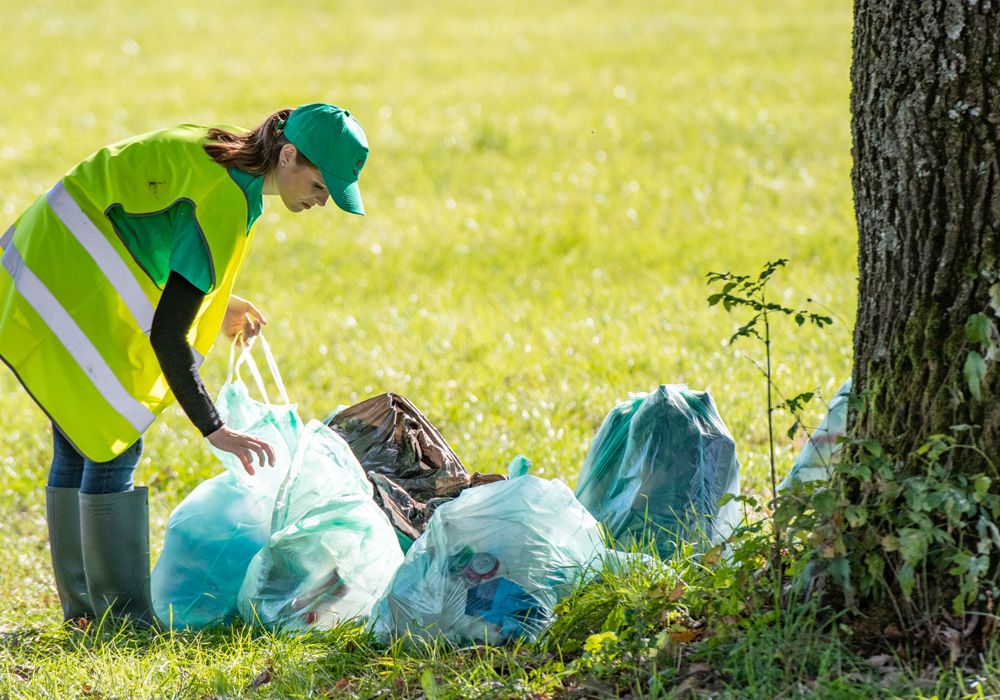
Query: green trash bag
215	532
331	552
211	538
492	565
817	455
657	469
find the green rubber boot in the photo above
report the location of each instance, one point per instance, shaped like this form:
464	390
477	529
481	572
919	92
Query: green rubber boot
62	511
114	530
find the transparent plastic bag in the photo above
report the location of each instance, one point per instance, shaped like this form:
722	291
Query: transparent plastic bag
492	565
214	533
817	455
332	551
278	424
212	536
657	469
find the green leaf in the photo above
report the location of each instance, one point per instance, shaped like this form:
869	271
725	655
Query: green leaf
872	447
794	429
429	684
825	502
907	580
995	297
876	566
614	621
913	544
975	371
977	328
856	515
596	642
982	484
840	571
714	299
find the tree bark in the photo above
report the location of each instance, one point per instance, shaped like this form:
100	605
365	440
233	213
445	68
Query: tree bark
925	106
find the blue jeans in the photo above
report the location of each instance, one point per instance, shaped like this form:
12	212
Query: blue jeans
72	470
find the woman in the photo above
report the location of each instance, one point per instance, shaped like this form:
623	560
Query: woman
113	287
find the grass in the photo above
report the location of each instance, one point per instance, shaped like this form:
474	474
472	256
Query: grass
549	183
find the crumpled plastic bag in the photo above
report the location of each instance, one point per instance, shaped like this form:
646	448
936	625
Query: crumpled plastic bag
822	447
657	469
411	465
492	565
332	551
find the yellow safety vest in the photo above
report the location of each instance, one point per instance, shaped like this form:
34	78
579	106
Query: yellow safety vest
77	297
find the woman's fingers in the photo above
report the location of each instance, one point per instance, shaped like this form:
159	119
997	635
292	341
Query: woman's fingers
245	447
269	452
256	313
247	461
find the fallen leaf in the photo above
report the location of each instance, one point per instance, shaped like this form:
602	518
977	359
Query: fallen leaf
684	636
712	556
892	632
23	673
263	678
883	662
699	667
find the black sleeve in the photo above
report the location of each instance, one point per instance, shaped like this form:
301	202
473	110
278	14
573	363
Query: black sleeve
174	315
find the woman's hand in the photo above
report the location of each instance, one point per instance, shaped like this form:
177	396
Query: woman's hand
243	446
243	320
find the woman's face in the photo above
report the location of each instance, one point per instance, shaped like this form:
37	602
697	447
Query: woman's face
300	186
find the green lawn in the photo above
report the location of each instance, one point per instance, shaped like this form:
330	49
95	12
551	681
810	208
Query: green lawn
548	185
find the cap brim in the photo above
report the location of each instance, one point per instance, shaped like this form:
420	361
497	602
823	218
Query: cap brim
346	194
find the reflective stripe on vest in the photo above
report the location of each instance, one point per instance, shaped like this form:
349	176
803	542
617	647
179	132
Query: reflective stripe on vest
103	254
7	238
77	344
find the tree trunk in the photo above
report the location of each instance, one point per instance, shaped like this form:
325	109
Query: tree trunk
925	103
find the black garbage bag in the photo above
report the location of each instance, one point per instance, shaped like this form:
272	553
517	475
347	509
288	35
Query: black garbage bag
410	464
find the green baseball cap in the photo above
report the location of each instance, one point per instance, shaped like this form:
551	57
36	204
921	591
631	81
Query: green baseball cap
335	142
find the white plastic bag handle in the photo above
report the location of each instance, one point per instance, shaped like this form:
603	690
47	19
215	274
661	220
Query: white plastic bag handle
247	357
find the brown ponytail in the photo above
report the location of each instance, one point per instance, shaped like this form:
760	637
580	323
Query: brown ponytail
256	151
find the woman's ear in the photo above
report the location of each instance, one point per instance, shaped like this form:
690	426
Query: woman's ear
286	156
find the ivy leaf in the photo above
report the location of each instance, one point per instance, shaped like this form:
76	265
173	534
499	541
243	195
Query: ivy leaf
977	329
975	371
